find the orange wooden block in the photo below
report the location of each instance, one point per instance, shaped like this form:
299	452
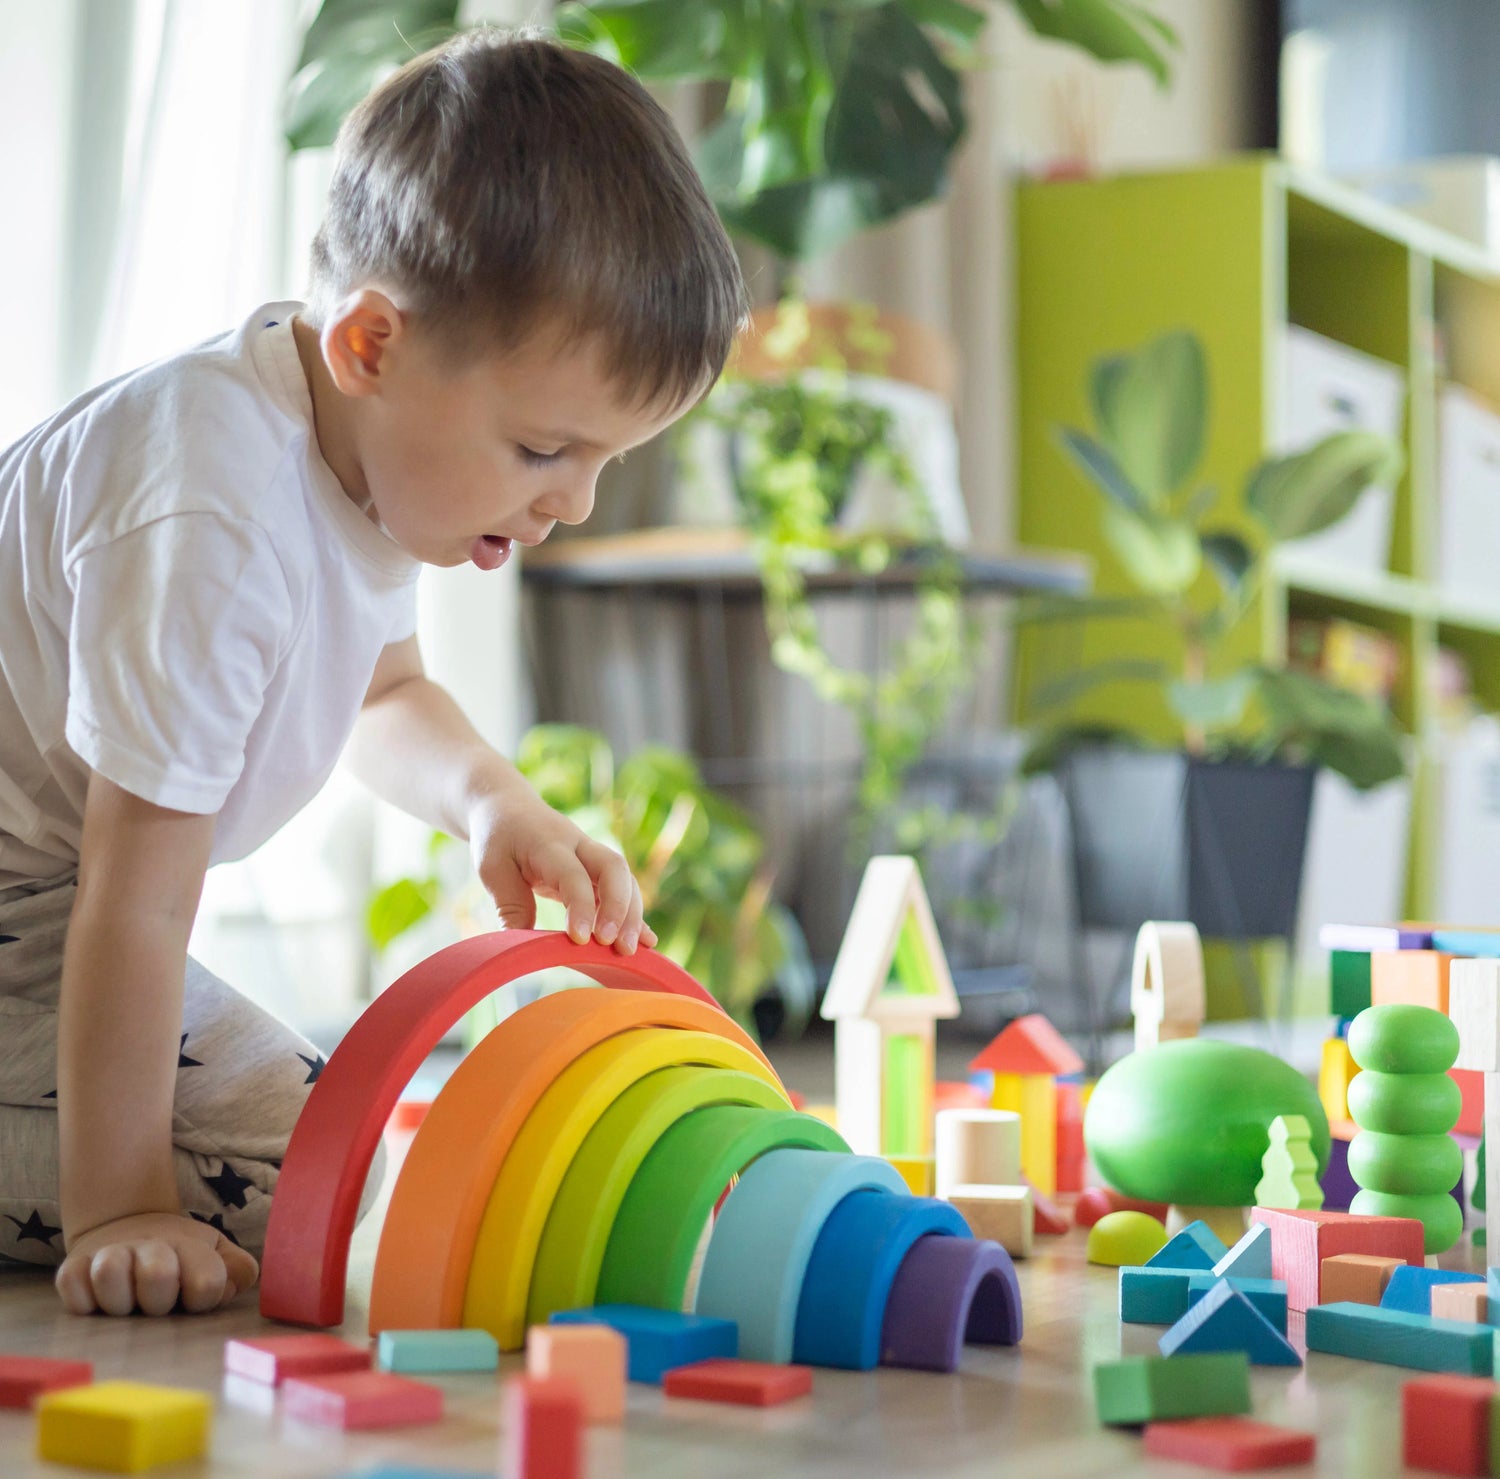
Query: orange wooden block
1445	1424
1230	1444
1467	1302
594	1357
1359	1278
747	1383
1415	977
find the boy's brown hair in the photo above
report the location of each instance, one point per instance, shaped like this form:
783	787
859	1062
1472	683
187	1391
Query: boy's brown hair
505	183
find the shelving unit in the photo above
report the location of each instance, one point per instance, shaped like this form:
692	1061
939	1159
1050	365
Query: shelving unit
1236	252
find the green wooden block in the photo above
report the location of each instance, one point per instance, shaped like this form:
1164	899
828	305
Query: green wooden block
1147	1389
1349	982
437	1350
1395	1338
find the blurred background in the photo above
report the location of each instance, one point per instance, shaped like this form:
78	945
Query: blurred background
1100	511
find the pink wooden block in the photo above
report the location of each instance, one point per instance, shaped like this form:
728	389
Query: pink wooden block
361	1399
1300	1241
271	1359
24	1378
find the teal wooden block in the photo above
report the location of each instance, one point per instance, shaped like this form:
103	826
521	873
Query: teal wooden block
1147	1389
1267	1295
1224	1320
1395	1338
1195	1247
1478	943
1492	1286
437	1350
1250	1258
1153	1296
1410	1287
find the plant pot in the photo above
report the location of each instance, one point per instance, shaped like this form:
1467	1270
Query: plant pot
1164	835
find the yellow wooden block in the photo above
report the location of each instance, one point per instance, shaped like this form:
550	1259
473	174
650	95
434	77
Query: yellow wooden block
1334	1075
124	1426
1002	1214
1034	1097
916	1171
828	1113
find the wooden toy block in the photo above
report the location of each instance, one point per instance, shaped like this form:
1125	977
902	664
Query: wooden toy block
1002	1214
1301	1240
409	1114
124	1426
1482	943
1289	1169
270	1359
1100	1201
1224	1320
1336	1071
1339	1187
1230	1445
977	1147
1474	1006
1145	1389
437	1350
1072	1156
958	1094
1471	1100
1267	1295
1396	1338
917	1171
1356	1278
1411	1289
1368	938
1465	1301
1349	982
24	1378
1153	1296
1417	978
1050	1220
361	1399
1122	1238
659	1340
1250	1258
1445	1424
1026	1059
541	1431
1195	1247
593	1356
745	1383
1227	1224
1166	983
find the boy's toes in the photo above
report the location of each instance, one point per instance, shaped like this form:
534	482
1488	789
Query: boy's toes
158	1277
111	1273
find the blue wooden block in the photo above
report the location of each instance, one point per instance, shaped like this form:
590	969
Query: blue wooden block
1410	1287
1250	1258
1368	1333
1224	1320
1478	943
1267	1295
1492	1289
1195	1247
437	1350
660	1340
1153	1296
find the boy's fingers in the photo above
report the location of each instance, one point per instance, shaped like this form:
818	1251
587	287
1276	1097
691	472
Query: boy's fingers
202	1276
615	887
513	897
648	937
241	1269
111	1273
634	924
158	1277
576	890
73	1286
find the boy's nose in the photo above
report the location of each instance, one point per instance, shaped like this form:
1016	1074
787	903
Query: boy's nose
571	504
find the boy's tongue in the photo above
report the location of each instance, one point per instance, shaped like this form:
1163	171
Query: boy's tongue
490	552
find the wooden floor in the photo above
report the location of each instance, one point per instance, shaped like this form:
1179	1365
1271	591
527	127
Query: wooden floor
1025	1411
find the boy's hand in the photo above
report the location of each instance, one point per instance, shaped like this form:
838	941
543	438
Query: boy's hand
150	1262
523	848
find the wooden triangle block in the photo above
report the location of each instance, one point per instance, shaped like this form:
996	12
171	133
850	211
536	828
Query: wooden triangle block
1224	1320
1030	1045
1195	1247
1250	1258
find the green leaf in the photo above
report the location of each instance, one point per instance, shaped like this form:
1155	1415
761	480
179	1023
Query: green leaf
1312	489
1054	610
1101	466
1069	690
1048	750
1161	556
1152	410
396	908
350	46
1112	30
1229	557
1213	704
1330	726
655	40
956	22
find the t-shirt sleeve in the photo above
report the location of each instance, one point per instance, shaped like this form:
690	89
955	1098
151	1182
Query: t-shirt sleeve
176	630
404	620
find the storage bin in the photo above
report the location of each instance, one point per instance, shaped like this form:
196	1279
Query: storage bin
1468	496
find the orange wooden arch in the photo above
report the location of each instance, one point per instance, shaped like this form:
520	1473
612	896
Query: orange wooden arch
316	1201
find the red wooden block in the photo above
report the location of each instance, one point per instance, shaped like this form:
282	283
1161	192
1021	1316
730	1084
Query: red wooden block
1445	1424
409	1114
748	1383
1029	1045
542	1428
1099	1201
24	1378
1071	1155
361	1399
949	1094
1230	1444
1047	1216
272	1358
1470	1083
1300	1241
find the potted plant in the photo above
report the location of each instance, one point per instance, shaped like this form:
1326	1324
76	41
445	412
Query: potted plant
1213	830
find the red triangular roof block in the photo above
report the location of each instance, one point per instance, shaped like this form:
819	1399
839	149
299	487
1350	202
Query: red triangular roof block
1031	1044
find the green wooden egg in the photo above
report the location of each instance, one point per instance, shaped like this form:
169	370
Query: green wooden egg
1187	1121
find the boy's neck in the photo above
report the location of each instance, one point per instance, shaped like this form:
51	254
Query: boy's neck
332	420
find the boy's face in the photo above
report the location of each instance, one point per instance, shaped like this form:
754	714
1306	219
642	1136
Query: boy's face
461	462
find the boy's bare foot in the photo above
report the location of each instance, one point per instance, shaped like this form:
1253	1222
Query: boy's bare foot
153	1262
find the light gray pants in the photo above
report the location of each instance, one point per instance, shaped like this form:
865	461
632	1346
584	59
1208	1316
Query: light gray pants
242	1079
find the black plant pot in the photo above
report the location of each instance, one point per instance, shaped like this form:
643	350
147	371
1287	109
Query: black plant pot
1163	835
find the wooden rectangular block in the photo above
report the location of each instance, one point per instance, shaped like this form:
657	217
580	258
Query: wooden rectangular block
1471	1096
1396	1338
916	1171
1334	1074
1468	1302
1072	1157
1349	982
978	1147
1301	1240
1355	1278
745	1383
596	1357
541	1431
437	1350
1002	1214
361	1399
1230	1445
1153	1296
1445	1424
1034	1097
271	1359
1474	1005
126	1426
24	1378
660	1340
1413	977
1145	1389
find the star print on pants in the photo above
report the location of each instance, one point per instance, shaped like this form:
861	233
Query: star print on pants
229	1186
33	1228
9	939
183	1061
217	1223
315	1066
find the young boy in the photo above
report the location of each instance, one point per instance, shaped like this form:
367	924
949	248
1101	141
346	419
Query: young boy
206	589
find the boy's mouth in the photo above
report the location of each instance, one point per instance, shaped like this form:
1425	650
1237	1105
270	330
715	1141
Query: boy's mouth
490	551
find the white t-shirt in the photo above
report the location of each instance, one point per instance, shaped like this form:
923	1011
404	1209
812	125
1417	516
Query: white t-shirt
190	604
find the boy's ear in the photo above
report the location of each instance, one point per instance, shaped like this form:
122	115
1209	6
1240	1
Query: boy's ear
357	338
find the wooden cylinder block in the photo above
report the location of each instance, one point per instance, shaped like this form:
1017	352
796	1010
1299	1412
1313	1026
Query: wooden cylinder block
977	1147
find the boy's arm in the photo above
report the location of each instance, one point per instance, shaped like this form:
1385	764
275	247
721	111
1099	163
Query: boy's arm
414	747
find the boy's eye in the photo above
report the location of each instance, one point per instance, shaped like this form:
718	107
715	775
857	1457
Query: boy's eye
538	459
